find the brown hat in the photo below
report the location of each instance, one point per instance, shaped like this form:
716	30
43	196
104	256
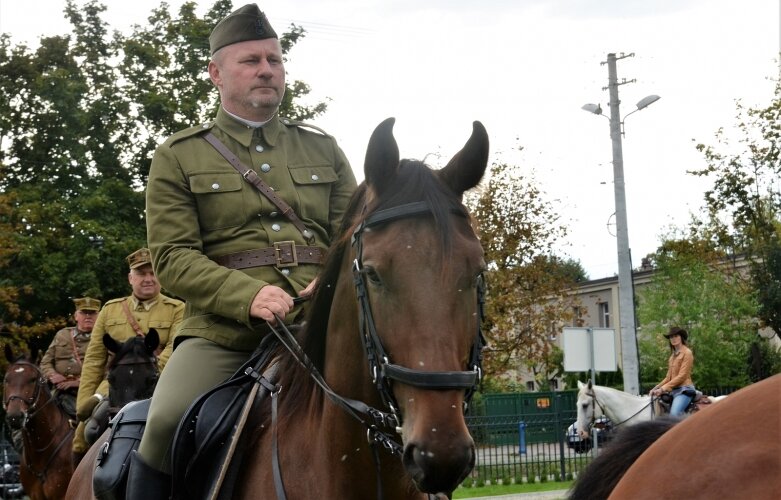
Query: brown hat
246	23
677	331
87	304
139	258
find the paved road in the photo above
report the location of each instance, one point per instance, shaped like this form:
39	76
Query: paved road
539	495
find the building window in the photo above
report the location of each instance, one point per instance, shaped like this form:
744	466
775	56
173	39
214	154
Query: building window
554	384
604	315
530	386
577	316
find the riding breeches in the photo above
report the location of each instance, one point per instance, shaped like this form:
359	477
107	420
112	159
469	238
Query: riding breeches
195	366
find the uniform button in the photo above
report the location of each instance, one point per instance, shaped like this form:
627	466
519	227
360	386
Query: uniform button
215	186
286	121
259	148
273	214
265	167
286	272
205	125
315	177
276	227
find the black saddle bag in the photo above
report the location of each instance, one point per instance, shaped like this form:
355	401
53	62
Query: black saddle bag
204	435
113	460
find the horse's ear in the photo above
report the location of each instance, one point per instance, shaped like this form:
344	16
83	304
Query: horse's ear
9	353
382	156
111	344
152	340
590	385
467	167
580	385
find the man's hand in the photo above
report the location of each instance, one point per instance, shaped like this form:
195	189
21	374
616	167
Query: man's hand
309	290
68	384
271	300
56	378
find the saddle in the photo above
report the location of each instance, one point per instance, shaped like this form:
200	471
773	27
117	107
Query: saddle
206	451
698	402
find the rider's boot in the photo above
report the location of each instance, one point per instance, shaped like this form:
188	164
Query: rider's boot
145	482
76	458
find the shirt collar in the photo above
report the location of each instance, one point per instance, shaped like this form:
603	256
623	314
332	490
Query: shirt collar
145	304
243	133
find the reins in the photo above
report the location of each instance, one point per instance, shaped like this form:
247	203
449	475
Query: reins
595	402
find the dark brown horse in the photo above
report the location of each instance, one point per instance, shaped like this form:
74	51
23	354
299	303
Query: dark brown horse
46	465
733	450
401	287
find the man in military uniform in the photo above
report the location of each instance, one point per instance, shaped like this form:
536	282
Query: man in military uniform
123	319
61	365
231	252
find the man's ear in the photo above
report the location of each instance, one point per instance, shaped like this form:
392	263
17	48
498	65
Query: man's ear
214	74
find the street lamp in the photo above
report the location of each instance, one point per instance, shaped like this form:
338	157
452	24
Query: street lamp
626	306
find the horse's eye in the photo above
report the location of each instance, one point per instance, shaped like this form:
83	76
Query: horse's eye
372	276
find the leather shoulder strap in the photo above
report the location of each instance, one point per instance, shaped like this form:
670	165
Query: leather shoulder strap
250	176
131	319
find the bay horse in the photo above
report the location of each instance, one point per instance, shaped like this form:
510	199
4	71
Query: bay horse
394	324
733	450
391	344
620	407
45	464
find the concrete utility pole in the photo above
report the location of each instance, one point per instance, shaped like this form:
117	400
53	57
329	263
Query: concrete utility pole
626	306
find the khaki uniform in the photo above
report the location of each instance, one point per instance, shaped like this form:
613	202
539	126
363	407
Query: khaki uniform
198	208
162	313
65	354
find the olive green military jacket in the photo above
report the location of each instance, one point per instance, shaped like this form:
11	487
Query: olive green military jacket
198	207
165	316
65	354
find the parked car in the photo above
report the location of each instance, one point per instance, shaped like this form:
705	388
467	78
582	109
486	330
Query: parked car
10	487
604	429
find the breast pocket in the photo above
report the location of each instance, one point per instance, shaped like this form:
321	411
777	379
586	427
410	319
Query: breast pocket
163	329
313	185
219	198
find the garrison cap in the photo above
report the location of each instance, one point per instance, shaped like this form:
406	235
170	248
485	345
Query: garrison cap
139	258
246	23
87	304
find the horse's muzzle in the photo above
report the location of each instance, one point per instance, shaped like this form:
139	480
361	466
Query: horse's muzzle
16	420
435	472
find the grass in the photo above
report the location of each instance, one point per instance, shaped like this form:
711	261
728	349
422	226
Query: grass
508	489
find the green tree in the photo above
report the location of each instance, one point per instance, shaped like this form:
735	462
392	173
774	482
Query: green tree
526	299
80	117
746	196
696	288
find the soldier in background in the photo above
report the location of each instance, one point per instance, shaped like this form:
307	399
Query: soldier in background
61	365
123	319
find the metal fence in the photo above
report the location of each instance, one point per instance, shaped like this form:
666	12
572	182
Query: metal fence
526	447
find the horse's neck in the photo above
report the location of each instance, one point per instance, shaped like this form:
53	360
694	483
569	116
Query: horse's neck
46	424
620	406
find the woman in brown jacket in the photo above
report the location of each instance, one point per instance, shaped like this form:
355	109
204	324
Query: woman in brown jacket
679	372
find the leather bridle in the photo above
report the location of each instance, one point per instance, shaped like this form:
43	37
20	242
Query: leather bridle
381	369
31	403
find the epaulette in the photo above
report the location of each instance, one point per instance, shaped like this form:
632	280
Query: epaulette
189	132
169	300
296	123
113	301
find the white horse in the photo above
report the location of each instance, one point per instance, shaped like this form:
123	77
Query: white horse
620	407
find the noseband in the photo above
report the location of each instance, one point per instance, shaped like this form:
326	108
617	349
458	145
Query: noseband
381	370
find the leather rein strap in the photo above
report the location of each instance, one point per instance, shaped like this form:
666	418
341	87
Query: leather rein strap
250	176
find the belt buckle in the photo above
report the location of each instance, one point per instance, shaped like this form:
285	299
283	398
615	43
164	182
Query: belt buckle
285	246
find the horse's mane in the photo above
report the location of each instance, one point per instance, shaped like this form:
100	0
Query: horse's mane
603	474
414	181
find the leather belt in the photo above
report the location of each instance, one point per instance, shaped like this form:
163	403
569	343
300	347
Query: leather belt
282	254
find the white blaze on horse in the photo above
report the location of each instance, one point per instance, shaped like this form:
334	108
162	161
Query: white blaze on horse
620	407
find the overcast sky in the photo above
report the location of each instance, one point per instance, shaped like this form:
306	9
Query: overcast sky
524	68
